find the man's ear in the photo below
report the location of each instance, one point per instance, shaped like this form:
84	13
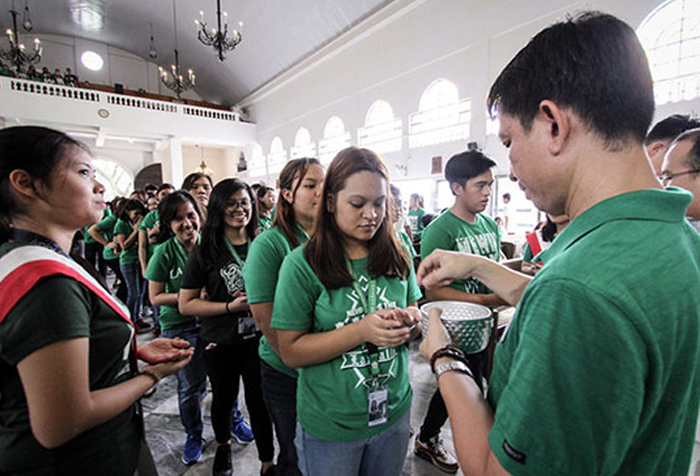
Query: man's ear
558	124
457	189
287	195
23	184
330	203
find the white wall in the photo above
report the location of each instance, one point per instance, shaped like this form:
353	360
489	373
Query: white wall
466	42
120	66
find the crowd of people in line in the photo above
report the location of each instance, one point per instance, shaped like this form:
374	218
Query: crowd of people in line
309	294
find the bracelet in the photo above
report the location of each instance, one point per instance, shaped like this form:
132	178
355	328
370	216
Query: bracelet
447	351
454	366
150	375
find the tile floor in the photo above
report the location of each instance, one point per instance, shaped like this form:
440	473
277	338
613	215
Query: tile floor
166	438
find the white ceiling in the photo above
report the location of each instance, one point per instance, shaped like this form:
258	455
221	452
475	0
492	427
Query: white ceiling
277	34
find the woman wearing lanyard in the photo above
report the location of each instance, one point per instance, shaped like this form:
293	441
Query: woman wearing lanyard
68	372
300	184
178	237
343	309
228	333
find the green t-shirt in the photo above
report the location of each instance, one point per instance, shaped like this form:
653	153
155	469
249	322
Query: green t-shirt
106	227
264	223
128	255
598	373
167	266
260	274
416	223
59	308
87	236
449	232
332	397
149	222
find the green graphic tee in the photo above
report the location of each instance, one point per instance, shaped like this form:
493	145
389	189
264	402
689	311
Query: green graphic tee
106	227
167	265
149	222
332	396
129	255
449	232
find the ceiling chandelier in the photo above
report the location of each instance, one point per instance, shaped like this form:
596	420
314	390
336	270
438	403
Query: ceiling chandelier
173	79
218	38
17	54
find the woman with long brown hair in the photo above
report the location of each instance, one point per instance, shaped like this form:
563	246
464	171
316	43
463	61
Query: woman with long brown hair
300	184
344	307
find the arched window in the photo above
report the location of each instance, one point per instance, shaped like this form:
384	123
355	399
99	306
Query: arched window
381	133
335	139
116	179
671	37
257	162
441	116
303	147
277	156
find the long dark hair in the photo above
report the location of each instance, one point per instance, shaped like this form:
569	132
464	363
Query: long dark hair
284	213
37	151
213	246
167	210
325	251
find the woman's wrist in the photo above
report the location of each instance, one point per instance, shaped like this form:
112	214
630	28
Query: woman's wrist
228	311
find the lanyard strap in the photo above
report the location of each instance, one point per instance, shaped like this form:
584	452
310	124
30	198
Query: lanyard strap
369	304
30	237
234	253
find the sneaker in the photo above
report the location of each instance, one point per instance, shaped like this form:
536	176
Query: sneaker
222	461
192	451
435	452
242	432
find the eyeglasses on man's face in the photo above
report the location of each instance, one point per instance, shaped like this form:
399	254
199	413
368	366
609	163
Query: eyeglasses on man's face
667	177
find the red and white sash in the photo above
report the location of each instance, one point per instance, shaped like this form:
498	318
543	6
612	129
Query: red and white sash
23	267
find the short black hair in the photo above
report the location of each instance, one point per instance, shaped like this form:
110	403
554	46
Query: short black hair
165	186
150	187
466	165
592	63
670	128
506	196
692	159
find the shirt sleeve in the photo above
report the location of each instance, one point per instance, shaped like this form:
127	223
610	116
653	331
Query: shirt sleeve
148	221
158	266
575	386
107	224
31	324
434	238
296	295
121	228
261	270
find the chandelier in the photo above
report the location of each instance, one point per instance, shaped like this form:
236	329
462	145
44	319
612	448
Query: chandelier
17	54
218	38
174	80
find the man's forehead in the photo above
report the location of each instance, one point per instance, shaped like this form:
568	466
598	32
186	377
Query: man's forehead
676	154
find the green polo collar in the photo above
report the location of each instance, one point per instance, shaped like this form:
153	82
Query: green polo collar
667	205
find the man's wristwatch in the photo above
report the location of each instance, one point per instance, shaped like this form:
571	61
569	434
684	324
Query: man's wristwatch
452	366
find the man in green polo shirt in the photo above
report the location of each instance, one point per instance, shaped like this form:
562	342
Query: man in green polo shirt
681	168
597	373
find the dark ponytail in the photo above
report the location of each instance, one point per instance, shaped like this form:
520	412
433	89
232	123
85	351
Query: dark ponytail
36	150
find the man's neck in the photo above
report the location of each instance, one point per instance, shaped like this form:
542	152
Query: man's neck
460	211
602	174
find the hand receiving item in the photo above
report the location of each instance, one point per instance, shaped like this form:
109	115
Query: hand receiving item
165	350
437	334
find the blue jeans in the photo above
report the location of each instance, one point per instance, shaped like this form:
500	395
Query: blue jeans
381	455
132	276
191	380
280	395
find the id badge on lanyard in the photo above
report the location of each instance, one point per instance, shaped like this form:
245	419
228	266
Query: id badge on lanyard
377	393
